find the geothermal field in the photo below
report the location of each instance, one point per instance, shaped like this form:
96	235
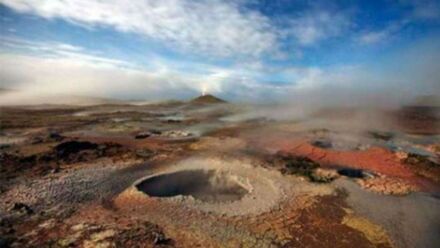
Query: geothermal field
210	173
220	123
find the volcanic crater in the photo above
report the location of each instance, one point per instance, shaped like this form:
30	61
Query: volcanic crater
204	185
231	186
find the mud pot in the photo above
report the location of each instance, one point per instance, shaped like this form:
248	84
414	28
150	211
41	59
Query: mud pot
210	186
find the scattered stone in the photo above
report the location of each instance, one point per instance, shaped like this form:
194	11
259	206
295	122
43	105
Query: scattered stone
144	234
369	175
176	134
386	185
21	207
90	244
51	137
423	165
54	136
172	121
143	135
69	240
144	153
55	170
416	159
401	155
434	148
363	147
323	175
326	144
159	238
48	224
386	136
103	235
78	227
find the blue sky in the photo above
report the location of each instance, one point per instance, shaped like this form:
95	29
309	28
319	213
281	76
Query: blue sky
244	50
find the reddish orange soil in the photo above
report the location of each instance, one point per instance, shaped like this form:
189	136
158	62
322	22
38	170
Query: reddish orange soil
374	159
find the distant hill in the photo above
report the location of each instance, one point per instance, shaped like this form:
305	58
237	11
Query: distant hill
210	99
427	101
23	98
4	90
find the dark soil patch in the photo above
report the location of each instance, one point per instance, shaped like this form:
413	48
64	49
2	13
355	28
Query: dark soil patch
419	119
325	144
297	165
145	234
72	147
15	164
423	166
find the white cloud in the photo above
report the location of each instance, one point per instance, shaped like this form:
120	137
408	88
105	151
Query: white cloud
68	69
57	68
382	35
385	34
56	50
374	36
316	25
214	27
81	76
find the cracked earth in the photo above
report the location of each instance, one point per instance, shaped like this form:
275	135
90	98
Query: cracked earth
198	174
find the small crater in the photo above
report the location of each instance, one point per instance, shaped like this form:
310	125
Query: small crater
355	173
204	185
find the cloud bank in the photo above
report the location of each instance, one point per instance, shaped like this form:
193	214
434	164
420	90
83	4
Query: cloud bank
208	26
240	53
78	73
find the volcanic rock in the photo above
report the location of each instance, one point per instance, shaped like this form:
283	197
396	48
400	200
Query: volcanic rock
176	133
53	136
143	233
323	175
321	143
386	136
72	147
298	165
21	207
142	135
386	185
144	153
423	166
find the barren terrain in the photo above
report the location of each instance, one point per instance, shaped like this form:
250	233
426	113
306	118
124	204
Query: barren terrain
207	173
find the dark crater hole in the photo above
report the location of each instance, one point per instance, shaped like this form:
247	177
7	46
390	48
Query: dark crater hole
355	173
205	185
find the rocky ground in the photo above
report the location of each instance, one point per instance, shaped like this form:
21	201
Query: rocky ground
69	177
